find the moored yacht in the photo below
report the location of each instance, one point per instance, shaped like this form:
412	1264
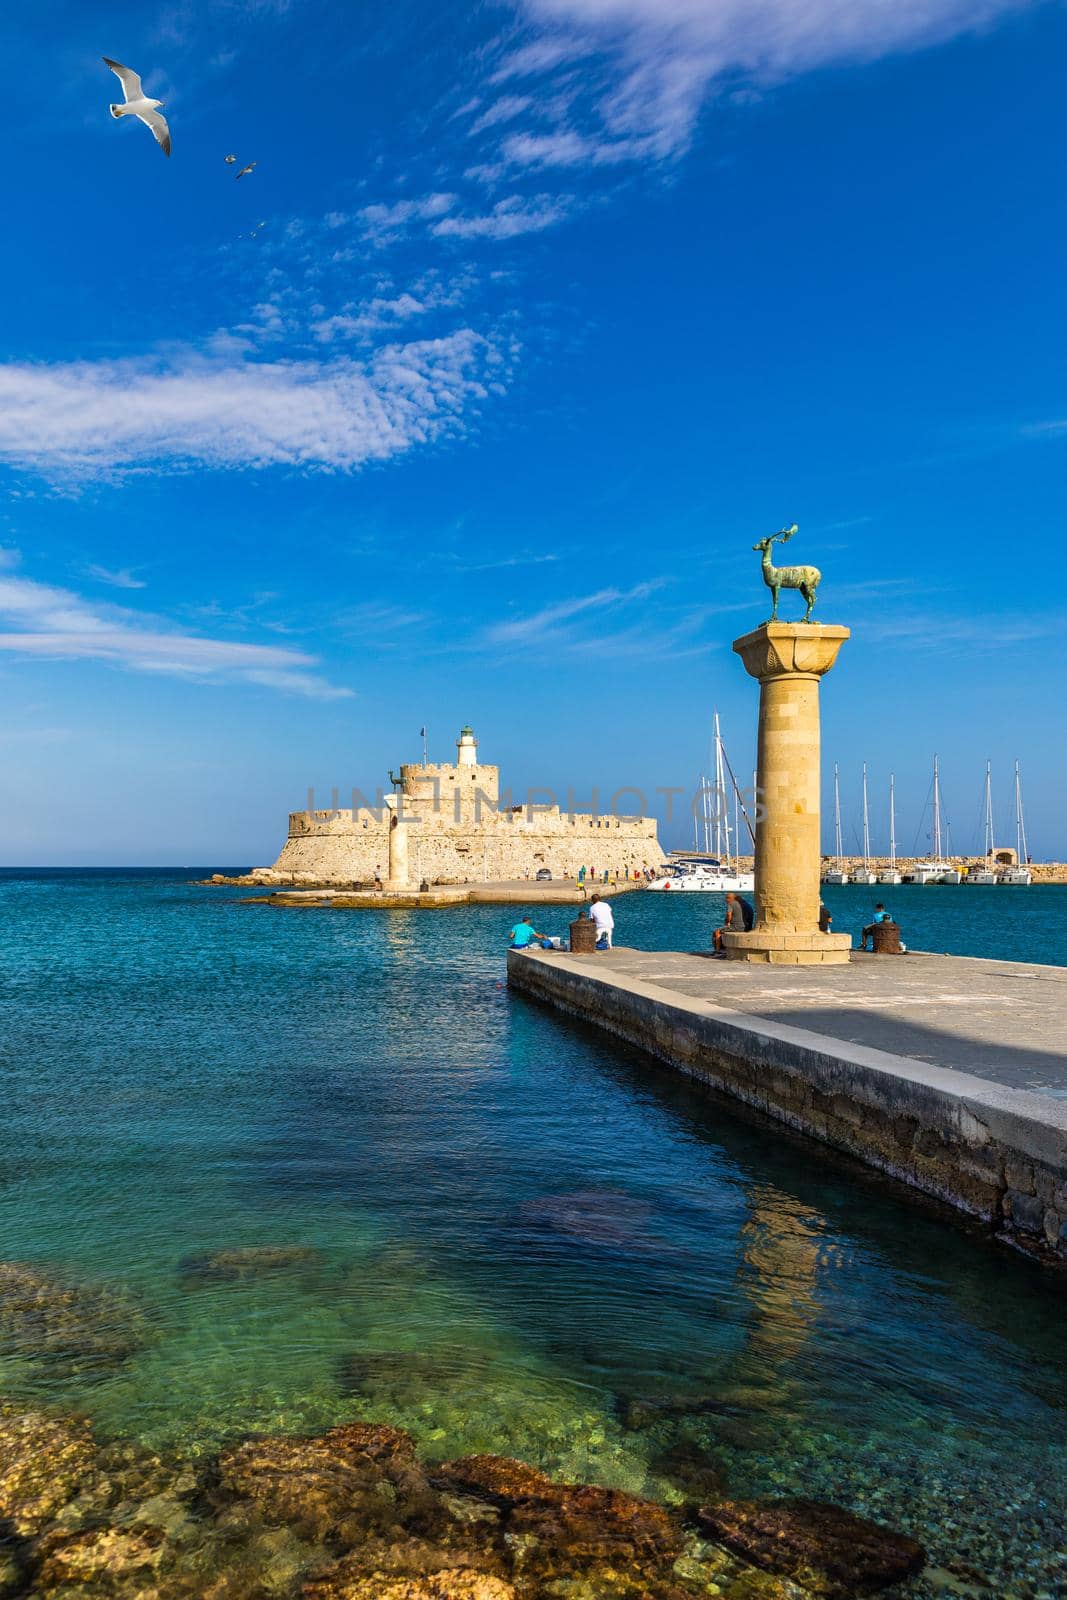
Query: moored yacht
984	876
1019	876
866	874
890	873
836	875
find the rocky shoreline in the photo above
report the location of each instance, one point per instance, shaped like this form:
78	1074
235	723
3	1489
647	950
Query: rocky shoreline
354	1514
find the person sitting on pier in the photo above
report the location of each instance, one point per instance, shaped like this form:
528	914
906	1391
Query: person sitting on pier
604	918
523	934
880	915
739	919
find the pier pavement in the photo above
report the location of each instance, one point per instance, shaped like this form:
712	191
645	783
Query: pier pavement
948	1073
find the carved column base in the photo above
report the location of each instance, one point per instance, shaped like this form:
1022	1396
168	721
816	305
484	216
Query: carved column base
767	945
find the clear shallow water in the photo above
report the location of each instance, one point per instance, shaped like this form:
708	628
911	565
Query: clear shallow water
549	1231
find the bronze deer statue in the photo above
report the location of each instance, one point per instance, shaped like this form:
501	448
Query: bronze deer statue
806	579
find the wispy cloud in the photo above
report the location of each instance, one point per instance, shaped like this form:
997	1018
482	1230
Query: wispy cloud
658	62
56	624
123	578
97	418
508	219
383	223
547	622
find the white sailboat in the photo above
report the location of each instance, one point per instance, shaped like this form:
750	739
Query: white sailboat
715	870
836	874
1019	876
935	869
891	875
983	877
865	875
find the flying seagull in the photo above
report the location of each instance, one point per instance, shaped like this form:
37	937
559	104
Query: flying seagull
229	160
137	105
249	167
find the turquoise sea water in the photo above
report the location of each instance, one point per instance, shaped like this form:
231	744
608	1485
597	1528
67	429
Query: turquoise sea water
527	1238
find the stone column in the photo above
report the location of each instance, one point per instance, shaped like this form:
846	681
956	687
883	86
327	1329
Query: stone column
398	855
788	658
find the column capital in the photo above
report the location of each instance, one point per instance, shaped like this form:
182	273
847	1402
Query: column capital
790	649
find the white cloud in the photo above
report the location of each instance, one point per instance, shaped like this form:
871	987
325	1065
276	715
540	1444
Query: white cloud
85	418
668	56
57	624
124	578
382	223
508	219
545	623
506	109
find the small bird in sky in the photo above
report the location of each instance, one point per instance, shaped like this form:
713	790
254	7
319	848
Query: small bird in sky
230	160
249	167
138	105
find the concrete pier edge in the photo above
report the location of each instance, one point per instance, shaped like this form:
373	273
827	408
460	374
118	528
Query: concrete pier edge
996	1152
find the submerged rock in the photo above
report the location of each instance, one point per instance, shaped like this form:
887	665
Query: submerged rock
605	1217
453	1583
691	1469
344	1486
557	1528
45	1462
828	1550
99	1562
237	1262
77	1327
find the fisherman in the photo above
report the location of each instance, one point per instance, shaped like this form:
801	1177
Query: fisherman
602	915
523	935
880	915
739	919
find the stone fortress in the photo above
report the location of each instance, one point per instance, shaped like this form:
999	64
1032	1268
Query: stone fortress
447	824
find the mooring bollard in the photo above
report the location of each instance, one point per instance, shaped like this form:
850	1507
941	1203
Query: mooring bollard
583	936
885	939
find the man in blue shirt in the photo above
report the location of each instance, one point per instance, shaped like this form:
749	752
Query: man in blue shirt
880	915
523	935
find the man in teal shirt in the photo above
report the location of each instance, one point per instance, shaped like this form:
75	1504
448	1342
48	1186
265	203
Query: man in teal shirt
523	935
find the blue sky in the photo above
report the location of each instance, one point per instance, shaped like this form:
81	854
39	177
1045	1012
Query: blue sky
468	403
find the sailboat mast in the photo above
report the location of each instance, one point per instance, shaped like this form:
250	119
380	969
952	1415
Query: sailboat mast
837	815
720	788
937	814
892	821
988	811
866	823
1020	825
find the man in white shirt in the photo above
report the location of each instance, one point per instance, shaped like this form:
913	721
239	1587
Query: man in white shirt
600	912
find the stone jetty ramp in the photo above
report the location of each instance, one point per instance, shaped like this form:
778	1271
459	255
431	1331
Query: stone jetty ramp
946	1073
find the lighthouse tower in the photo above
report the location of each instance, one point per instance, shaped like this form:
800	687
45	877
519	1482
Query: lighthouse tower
467	746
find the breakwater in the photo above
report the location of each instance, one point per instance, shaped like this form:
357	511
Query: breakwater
942	1072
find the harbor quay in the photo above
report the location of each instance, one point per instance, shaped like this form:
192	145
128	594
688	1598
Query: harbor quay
945	1073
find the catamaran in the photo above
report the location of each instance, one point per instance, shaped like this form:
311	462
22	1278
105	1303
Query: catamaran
1020	875
714	870
865	875
836	875
891	875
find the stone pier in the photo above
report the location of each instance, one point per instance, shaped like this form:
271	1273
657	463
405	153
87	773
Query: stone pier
947	1074
788	659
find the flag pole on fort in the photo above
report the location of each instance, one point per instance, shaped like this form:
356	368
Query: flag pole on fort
422	735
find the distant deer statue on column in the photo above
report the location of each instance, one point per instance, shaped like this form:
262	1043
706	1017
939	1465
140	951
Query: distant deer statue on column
806	579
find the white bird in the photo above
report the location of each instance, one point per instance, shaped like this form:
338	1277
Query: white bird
138	105
229	160
249	167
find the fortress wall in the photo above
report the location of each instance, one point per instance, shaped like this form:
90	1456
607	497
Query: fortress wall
335	847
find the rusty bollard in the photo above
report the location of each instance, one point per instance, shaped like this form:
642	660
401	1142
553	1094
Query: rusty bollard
583	936
885	939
